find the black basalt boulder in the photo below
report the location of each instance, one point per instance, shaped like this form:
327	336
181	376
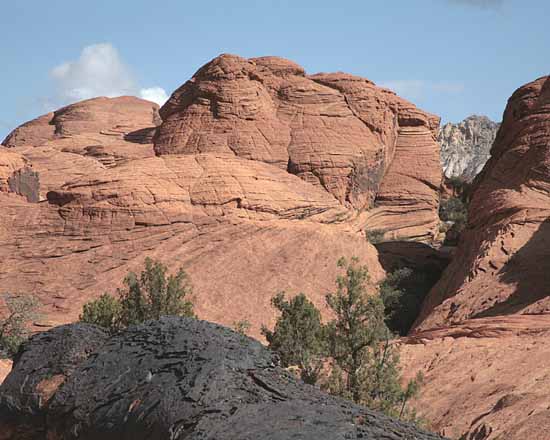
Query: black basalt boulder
175	378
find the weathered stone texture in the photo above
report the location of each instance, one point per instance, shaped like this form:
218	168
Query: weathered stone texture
172	379
258	179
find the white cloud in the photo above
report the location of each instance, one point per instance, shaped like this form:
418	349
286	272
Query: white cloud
155	94
99	71
414	89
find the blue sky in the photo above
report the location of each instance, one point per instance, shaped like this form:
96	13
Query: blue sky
451	57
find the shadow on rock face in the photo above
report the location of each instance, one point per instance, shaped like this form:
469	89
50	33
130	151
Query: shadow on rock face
172	379
529	270
414	255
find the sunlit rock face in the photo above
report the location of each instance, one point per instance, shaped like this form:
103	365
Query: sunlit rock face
254	176
501	266
465	146
483	332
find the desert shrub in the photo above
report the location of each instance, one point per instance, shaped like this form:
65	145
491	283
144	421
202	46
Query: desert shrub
14	327
365	361
242	326
353	356
149	296
104	311
375	236
458	183
453	210
298	335
398	304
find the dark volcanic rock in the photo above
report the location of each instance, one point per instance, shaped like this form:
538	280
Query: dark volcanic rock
174	379
43	365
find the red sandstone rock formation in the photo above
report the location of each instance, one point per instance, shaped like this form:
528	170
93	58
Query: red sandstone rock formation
360	143
484	379
502	266
263	178
482	339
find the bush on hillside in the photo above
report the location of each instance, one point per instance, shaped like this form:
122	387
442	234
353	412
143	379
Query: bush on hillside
375	236
14	327
366	363
356	346
242	326
454	211
149	296
298	335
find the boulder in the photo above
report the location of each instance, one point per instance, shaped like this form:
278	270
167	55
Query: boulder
174	378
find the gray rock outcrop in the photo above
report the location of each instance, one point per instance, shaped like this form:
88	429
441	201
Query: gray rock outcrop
466	146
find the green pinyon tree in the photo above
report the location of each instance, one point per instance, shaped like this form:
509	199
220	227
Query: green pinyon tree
366	361
149	296
356	344
298	335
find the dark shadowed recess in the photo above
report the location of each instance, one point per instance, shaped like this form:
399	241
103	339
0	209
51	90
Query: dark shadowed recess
426	266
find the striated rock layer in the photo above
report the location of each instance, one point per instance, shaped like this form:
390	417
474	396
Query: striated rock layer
482	337
502	265
466	146
336	131
172	379
484	379
257	180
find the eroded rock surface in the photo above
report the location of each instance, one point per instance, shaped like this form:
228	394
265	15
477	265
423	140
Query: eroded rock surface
360	143
172	379
484	379
466	146
482	336
259	179
502	265
85	138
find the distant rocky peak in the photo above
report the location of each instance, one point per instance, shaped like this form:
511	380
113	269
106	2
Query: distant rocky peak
466	146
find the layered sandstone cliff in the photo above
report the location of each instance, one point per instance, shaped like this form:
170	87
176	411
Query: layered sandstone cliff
482	337
257	180
362	144
502	265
